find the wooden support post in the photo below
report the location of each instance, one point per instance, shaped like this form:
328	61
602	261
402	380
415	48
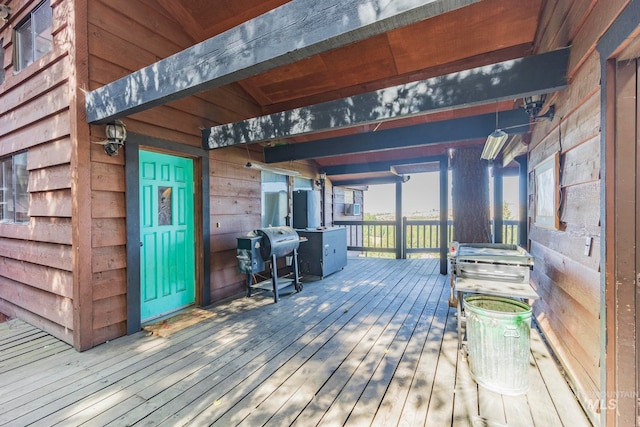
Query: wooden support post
444	213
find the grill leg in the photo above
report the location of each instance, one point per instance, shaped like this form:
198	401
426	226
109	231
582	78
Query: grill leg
296	275
274	278
249	283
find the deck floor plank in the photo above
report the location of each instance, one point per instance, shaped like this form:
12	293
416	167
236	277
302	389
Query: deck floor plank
161	393
193	391
323	348
374	344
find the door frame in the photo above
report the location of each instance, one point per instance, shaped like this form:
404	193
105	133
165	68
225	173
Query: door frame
616	408
200	157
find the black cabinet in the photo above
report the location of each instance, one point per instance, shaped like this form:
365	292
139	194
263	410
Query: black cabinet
324	252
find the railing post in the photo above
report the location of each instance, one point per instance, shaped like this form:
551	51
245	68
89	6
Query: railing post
404	237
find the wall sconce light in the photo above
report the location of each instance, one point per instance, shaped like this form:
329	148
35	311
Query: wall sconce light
116	136
533	105
494	144
5	11
272	169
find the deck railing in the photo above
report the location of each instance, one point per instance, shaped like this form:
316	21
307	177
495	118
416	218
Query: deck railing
419	236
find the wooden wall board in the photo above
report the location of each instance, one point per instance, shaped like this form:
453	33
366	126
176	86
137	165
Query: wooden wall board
108	232
41	229
49	129
581	205
48	254
52	178
582	164
108	258
107	204
107	177
109	18
45	105
52	76
109	311
53	153
570	241
109	283
50	203
50	306
102	335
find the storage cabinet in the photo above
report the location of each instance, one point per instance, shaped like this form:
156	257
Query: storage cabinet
325	251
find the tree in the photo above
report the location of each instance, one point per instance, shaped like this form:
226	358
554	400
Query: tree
470	193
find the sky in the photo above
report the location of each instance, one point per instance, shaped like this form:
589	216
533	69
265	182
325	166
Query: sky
422	194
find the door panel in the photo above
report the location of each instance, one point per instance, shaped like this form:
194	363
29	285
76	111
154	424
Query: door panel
167	254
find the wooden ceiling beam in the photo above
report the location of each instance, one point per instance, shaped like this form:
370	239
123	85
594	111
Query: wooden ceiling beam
296	30
393	179
506	80
384	166
446	131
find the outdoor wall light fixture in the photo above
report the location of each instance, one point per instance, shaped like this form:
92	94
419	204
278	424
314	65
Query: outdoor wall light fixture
5	11
272	169
533	105
116	136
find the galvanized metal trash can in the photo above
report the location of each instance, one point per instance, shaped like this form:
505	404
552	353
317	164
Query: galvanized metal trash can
498	333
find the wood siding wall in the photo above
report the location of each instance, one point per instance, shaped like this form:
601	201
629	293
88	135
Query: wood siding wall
123	37
567	280
36	259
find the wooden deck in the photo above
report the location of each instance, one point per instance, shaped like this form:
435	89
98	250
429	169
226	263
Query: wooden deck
374	344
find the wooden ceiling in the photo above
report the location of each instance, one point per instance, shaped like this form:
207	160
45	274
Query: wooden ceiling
480	34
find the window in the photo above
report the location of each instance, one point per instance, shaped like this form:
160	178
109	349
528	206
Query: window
14	197
275	201
33	36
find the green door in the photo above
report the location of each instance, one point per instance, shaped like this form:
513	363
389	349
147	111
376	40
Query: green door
167	247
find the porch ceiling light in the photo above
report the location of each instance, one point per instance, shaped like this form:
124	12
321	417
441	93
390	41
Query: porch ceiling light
494	144
272	169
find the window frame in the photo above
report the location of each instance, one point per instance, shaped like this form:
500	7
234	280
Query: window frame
19	53
13	190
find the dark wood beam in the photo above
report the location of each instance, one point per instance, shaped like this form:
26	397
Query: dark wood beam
506	80
446	131
384	166
293	31
370	181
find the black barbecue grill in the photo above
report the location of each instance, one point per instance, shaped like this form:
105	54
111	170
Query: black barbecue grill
264	246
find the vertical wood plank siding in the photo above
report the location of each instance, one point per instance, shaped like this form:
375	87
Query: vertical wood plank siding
567	280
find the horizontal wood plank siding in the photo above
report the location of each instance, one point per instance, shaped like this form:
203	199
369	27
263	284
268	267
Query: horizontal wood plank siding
36	263
567	279
123	37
